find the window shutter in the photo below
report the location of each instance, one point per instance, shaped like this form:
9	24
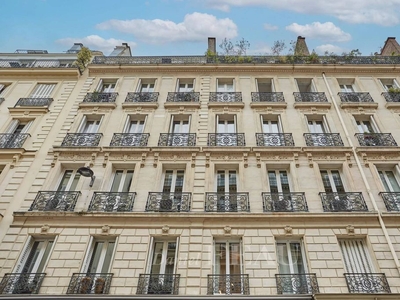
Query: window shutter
42	91
24	255
355	256
26	127
13	125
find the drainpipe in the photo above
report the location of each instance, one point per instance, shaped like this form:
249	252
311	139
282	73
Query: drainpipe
364	178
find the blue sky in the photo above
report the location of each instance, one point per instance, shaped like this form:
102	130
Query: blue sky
181	27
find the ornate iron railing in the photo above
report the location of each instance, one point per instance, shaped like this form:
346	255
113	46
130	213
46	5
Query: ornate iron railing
81	139
90	283
343	202
376	139
227	202
274	139
356	97
226	139
367	283
21	283
13	140
267	97
183	97
305	283
112	201
33	102
97	97
36	63
225	97
161	284
310	97
323	139
129	139
228	284
276	202
55	201
391	97
177	139
168	202
141	97
392	200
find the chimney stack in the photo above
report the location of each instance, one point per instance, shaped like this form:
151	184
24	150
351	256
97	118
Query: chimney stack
301	47
212	45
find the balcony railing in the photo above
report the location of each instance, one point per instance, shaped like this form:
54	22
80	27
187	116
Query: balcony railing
226	139
81	140
21	283
34	102
332	202
392	200
369	283
183	97
323	139
141	97
168	202
228	284
391	97
55	201
305	283
36	63
225	97
284	202
376	139
274	139
177	139
12	140
112	202
355	97
315	97
162	284
227	202
97	97
129	139
90	283
267	97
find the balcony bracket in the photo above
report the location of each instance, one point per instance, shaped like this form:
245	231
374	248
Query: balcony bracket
245	159
296	159
193	163
310	160
106	156
142	162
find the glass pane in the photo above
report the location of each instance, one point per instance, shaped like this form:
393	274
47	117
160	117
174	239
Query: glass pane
64	181
326	181
95	259
232	182
127	181
107	257
337	181
136	127
273	184
220	258
75	182
231	128
384	181
221	127
179	181
117	180
221	181
283	260
393	182
234	258
157	258
284	182
170	261
167	182
297	259
33	255
44	258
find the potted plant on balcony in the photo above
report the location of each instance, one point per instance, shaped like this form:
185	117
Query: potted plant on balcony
86	284
394	90
99	285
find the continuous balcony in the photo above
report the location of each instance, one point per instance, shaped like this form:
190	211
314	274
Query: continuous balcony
183	97
270	97
274	139
227	202
33	102
376	139
367	283
392	200
168	202
228	284
36	63
226	97
305	283
12	140
391	97
284	202
21	283
81	140
177	139
112	202
158	284
226	139
334	202
323	139
141	97
355	97
129	140
55	201
98	97
90	283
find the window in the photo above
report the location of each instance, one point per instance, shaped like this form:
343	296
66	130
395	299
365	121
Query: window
69	181
278	181
271	124
389	84
107	86
42	90
227	198
317	125
265	85
225	85
135	124
90	124
180	124
3	88
185	85
355	256
100	256
305	85
366	126
122	181
332	181
347	88
226	124
147	85
389	180
16	134
172	190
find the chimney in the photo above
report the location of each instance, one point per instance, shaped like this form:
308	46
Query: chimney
301	47
391	47
212	45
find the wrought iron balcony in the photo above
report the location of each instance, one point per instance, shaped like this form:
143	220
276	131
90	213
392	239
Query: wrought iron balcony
112	201
228	284
21	283
355	97
226	139
34	102
310	97
227	202
177	139
168	202
392	200
274	139
391	97
376	139
141	97
343	202
323	139
81	140
267	97
284	202
129	139
162	284
97	97
369	283
36	63
305	283
13	140
225	97
55	201
183	97
90	283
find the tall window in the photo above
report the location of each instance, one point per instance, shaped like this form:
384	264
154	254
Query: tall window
278	181
122	181
69	181
185	85
107	85
265	85
90	124
355	256
347	88
100	256
172	190
227	198
135	124
42	90
147	85
305	85
179	124
389	180
317	125
332	181
389	84
226	124
225	85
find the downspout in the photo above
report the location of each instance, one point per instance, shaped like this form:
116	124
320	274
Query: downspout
364	178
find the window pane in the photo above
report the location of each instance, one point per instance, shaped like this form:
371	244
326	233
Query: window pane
273	183
95	259
45	256
337	181
170	261
283	260
232	182
234	258
64	181
220	258
127	181
393	182
117	181
157	258
297	259
167	182
107	257
284	182
326	182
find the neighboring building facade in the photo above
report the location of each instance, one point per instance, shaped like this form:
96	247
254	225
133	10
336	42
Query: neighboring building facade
204	176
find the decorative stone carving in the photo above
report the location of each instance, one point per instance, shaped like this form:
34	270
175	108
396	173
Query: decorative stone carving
245	159
105	229
227	230
193	163
296	159
350	230
208	155
288	230
106	156
258	159
165	229
55	158
142	162
155	161
44	229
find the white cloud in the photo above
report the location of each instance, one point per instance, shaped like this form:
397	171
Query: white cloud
323	31
195	27
270	27
329	48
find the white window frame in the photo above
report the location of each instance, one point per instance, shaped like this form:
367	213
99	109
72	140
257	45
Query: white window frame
186	82
302	249
311	87
269	81
364	127
144	85
174	177
265	119
135	119
123	179
15	123
107	85
164	255
70	181
224	119
180	119
359	260
90	250
278	179
395	172
88	118
223	85
347	88
312	128
42	90
331	181
385	86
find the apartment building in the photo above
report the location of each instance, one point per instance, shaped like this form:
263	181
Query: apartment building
206	177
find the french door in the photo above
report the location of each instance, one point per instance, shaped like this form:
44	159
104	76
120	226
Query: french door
172	190
227	197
